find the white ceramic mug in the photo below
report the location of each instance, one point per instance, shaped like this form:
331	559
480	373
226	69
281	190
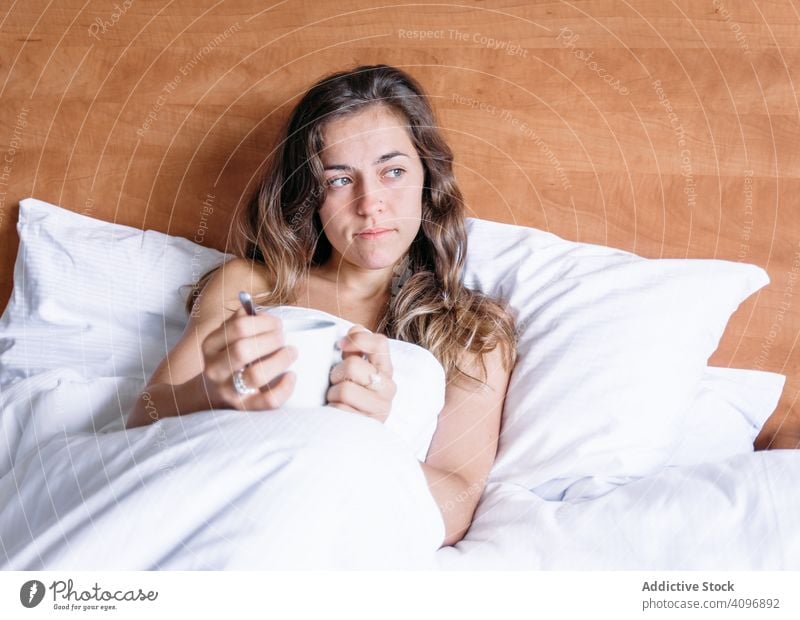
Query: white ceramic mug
315	340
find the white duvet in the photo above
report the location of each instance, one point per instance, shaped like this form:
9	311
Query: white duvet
329	489
318	488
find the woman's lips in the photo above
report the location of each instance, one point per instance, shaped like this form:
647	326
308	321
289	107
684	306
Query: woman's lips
377	234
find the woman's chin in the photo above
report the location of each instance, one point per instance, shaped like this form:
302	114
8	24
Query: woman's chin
379	265
375	263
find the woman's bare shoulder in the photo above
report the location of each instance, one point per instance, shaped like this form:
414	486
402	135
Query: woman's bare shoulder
250	273
220	296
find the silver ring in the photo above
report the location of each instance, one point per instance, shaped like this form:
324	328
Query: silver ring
375	381
240	386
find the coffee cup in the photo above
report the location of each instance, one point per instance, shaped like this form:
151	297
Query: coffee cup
315	341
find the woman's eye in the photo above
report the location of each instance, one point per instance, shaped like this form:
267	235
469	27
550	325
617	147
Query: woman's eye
338	182
395	172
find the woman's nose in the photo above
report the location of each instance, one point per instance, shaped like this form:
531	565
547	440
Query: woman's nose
371	200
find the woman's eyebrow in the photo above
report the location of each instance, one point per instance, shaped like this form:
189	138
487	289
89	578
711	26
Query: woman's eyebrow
383	158
388	156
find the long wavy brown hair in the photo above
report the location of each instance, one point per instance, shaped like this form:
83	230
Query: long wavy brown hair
281	231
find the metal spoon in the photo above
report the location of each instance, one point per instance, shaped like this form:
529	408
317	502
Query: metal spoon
247	302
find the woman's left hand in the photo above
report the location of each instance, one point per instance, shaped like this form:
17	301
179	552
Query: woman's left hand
362	381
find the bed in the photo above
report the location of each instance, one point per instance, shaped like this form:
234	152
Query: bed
653	282
620	446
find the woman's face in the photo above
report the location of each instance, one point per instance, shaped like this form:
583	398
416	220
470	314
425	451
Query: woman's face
374	179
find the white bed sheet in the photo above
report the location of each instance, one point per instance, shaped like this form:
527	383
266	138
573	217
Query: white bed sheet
81	496
739	514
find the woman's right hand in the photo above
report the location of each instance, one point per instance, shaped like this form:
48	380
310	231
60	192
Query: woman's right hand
254	345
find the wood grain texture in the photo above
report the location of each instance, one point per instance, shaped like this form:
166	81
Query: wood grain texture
670	129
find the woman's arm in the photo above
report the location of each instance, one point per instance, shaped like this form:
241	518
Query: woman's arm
163	400
464	445
465	442
219	338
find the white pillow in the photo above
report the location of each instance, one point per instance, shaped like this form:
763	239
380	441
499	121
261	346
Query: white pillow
727	413
62	314
612	350
723	420
104	299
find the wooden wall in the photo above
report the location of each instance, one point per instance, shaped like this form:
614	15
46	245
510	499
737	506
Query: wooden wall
666	128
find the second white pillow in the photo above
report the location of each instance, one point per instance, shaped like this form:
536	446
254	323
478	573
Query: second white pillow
612	349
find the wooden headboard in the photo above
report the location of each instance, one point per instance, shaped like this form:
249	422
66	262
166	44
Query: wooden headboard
667	129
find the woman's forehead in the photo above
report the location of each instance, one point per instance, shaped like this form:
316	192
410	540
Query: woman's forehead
365	132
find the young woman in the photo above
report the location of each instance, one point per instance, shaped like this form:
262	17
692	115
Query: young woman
358	216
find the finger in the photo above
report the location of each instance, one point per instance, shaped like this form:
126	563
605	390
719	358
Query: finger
344	407
348	345
261	373
362	373
363	400
354	368
239	326
375	346
243	352
347	340
273	395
